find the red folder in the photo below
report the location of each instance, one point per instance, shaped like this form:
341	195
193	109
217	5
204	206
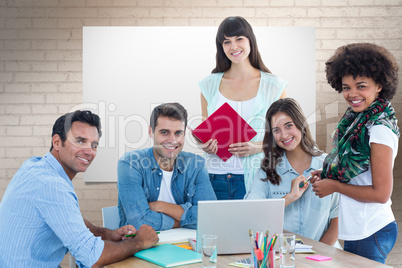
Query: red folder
227	126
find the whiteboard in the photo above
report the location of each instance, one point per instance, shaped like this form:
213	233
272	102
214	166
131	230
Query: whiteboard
127	71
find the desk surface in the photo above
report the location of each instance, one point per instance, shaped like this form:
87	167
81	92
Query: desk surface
340	258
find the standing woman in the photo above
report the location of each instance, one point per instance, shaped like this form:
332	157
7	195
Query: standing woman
241	79
366	143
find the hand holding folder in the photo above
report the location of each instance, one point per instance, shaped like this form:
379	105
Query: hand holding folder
227	127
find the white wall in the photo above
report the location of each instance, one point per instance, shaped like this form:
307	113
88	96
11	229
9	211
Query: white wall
130	70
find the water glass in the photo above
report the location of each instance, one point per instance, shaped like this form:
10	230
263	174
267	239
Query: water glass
209	251
287	244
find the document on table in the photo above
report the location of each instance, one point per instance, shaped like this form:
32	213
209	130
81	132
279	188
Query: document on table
301	248
177	235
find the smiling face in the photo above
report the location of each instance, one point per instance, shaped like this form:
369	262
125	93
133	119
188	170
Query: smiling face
78	151
236	48
359	93
168	140
286	134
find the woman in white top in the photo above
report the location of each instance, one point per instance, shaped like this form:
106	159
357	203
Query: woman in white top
366	143
241	79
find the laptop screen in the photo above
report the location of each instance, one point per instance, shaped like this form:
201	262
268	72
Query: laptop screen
231	220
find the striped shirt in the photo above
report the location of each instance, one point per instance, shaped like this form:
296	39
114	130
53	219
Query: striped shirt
40	219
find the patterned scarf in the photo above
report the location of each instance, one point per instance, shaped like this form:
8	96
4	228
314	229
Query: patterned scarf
351	154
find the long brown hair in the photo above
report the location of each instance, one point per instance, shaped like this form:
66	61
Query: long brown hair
236	26
272	152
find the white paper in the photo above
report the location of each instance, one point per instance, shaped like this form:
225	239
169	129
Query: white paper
177	235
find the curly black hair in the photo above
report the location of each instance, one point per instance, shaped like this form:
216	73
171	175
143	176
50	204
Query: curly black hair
364	59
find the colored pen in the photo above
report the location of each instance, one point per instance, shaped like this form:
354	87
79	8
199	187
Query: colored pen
250	233
273	243
131	235
301	185
253	248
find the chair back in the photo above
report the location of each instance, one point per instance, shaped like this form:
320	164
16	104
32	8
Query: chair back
111	218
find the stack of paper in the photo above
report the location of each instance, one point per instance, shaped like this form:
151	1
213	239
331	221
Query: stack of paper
301	248
177	235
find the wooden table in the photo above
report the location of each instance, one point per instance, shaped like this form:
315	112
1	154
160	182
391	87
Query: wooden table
340	258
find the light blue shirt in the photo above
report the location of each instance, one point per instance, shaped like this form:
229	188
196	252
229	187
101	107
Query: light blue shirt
309	215
40	219
139	180
270	89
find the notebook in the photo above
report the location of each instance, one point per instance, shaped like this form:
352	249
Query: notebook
227	126
168	255
231	220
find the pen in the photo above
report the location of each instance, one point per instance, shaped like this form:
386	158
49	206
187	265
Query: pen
301	185
130	235
250	233
273	243
253	248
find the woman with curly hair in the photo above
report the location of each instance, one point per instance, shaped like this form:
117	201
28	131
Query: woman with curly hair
365	146
290	154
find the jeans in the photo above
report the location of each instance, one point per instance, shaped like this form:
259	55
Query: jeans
377	246
228	186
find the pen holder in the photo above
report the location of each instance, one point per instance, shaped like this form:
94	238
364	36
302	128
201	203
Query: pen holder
261	260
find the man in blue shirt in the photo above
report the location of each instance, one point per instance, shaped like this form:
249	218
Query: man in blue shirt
40	219
161	186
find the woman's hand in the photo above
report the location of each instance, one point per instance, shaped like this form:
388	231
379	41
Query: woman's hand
295	186
325	187
295	191
210	147
315	176
242	149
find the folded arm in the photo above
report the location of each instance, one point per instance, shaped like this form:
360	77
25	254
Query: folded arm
172	210
199	189
132	196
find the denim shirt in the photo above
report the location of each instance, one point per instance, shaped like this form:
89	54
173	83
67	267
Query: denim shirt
309	216
139	180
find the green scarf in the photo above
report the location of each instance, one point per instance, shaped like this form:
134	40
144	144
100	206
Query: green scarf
351	154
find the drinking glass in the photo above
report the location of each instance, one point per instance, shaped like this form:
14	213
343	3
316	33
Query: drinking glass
287	244
209	251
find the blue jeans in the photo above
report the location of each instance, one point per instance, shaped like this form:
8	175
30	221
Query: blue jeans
228	186
377	246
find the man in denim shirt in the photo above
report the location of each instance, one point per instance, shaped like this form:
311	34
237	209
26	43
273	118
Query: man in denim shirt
161	186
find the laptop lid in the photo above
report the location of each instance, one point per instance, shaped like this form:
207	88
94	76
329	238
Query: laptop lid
231	220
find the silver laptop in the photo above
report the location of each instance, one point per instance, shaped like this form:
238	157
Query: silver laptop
231	220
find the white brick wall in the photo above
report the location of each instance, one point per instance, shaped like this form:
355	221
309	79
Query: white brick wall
41	59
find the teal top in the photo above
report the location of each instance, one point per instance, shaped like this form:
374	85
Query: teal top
270	89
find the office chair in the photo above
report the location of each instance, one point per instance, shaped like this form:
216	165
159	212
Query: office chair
111	218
